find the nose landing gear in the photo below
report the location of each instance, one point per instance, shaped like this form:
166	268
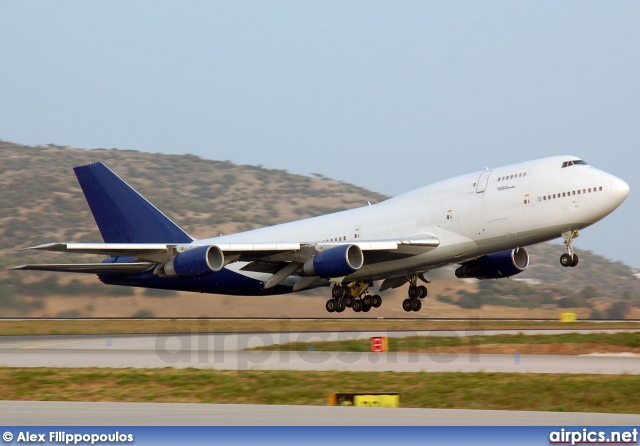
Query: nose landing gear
570	259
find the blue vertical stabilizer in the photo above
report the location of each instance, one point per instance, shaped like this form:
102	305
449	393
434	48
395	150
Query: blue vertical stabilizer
122	214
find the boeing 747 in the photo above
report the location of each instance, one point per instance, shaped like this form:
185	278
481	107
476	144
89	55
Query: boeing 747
482	222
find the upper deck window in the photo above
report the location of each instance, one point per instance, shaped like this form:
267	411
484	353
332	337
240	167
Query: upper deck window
573	163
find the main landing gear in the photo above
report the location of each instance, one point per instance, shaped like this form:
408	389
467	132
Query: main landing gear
416	292
342	297
356	296
570	259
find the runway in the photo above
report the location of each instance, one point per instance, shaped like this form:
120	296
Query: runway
226	351
30	413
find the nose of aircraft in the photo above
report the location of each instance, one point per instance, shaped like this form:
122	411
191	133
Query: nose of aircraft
619	190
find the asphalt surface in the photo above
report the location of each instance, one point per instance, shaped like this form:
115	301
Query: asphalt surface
28	413
226	351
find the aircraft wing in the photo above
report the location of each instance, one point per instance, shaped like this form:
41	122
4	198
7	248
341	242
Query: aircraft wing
150	251
260	255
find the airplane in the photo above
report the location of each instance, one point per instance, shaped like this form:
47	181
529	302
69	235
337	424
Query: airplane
480	221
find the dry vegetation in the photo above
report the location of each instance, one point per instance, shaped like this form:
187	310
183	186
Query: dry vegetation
495	391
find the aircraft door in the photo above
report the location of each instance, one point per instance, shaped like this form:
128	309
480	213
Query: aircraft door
528	207
483	181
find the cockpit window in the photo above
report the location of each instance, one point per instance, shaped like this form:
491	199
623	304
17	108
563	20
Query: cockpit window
573	163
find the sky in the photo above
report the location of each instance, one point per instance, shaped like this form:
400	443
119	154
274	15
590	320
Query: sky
390	96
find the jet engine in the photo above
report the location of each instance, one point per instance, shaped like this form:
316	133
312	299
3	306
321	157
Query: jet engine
495	266
334	262
196	262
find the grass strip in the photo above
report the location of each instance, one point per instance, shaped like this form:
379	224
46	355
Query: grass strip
504	391
131	326
420	343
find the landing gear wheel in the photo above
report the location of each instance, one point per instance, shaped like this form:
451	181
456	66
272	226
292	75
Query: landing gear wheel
570	258
348	300
331	305
407	305
337	292
357	305
340	306
566	260
414	292
376	301
367	301
416	305
365	307
423	291
575	261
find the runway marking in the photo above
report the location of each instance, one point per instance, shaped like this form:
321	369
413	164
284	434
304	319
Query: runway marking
32	347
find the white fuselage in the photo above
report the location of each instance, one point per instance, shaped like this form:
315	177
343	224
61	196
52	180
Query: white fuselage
472	215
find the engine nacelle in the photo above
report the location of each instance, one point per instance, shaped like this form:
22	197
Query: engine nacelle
334	262
495	266
196	262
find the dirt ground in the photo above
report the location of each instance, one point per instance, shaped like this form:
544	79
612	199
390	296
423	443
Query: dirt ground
537	349
309	304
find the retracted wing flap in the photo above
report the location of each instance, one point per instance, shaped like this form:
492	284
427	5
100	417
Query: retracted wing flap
160	252
151	254
109	249
424	241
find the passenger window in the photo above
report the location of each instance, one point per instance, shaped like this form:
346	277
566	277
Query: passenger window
600	187
589	190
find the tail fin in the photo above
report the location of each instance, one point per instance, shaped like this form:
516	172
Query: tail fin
122	214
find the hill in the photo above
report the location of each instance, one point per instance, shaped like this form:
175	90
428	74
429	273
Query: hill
41	201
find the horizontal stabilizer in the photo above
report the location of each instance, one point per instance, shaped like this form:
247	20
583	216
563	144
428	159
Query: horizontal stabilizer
91	268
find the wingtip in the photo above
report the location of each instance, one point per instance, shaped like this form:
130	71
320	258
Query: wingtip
45	246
